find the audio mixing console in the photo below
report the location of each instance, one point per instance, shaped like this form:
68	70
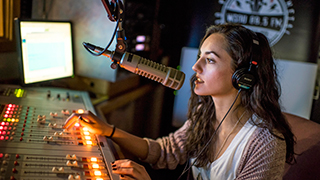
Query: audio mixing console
33	145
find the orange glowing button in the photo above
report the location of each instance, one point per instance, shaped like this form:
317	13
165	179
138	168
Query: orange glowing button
85	129
99	179
97	173
94	159
80	111
89	142
77	124
87	137
86	133
95	166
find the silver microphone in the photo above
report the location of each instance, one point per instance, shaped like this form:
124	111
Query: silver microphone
167	76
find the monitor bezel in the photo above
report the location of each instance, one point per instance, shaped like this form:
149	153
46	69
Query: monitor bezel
17	27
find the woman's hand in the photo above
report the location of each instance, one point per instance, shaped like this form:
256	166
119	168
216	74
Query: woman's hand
128	169
89	120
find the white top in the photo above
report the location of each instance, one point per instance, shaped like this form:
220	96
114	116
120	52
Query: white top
226	165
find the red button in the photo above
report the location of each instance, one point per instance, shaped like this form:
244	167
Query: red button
17	156
14	170
16	163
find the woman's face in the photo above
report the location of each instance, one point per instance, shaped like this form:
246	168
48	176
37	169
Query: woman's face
213	68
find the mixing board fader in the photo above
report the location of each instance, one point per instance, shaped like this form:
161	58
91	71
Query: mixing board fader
33	144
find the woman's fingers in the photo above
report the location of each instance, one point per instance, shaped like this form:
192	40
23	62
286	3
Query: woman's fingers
89	120
128	169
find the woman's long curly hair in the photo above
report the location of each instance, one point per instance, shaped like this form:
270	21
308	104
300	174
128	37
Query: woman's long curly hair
262	99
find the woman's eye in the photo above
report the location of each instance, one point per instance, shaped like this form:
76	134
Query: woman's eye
210	60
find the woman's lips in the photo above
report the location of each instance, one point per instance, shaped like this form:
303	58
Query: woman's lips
198	81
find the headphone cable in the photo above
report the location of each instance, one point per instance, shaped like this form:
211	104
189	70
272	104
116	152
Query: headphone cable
214	133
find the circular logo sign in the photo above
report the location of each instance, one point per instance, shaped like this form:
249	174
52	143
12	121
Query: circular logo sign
269	17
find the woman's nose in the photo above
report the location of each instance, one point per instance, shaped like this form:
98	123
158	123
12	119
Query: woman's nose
196	67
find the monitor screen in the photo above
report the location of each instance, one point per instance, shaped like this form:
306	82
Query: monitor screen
45	50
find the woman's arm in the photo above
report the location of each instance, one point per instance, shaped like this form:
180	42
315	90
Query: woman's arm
263	158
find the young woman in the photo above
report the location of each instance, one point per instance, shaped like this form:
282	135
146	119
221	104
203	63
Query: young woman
235	127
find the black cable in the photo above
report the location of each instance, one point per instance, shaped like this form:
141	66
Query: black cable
214	133
112	38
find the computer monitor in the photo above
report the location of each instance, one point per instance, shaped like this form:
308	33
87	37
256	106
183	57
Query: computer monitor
45	50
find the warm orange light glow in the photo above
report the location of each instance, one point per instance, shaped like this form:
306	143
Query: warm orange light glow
80	111
97	173
85	129
95	166
87	137
89	142
86	133
94	159
77	124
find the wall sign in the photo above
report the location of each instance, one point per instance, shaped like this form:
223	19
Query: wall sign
269	17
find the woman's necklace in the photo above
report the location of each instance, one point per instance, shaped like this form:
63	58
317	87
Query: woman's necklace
225	140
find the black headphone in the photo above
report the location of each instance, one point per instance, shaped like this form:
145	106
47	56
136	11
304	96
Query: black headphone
243	78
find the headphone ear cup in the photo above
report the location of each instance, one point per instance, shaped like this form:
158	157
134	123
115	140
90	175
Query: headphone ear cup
241	78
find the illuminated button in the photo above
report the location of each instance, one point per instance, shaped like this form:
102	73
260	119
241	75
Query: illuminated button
87	137
1	127
4	162
95	166
97	173
17	156
80	111
86	133
6	155
21	139
1	137
7	137
1	155
89	142
85	129
22	134
3	123
94	159
12	178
